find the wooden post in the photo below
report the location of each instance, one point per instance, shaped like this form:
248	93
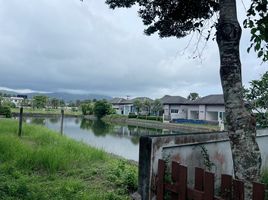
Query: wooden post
61	124
20	121
160	180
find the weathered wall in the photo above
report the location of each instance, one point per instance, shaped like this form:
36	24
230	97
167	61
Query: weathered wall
189	149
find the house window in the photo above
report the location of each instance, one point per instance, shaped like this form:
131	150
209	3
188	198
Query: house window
174	111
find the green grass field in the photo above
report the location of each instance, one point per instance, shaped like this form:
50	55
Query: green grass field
44	165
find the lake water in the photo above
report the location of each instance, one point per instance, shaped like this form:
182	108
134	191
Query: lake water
116	139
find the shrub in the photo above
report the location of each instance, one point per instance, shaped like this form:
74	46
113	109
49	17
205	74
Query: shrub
102	108
132	115
6	111
154	118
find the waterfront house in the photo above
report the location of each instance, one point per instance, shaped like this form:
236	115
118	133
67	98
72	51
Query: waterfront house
126	106
118	105
208	108
175	107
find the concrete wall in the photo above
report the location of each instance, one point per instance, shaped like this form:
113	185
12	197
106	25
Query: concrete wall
187	149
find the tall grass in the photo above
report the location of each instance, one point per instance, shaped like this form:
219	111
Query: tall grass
45	165
42	149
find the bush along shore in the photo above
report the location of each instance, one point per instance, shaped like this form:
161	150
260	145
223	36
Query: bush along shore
152	123
45	165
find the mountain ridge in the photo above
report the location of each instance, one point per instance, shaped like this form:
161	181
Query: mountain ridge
67	97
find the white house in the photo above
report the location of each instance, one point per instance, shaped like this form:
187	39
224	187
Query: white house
175	107
17	101
209	108
118	105
126	106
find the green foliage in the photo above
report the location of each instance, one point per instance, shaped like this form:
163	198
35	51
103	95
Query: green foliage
44	165
8	104
87	108
153	118
257	22
257	96
264	180
55	103
138	105
102	108
132	115
147	106
207	162
40	101
166	16
6	111
193	96
124	176
157	107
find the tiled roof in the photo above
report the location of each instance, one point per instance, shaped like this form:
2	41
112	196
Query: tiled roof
142	99
116	100
167	99
214	99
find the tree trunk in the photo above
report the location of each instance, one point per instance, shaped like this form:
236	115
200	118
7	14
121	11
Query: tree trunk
241	124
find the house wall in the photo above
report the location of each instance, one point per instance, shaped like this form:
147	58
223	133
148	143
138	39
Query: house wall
192	111
166	110
127	109
213	112
219	108
181	111
205	112
212	116
118	108
202	112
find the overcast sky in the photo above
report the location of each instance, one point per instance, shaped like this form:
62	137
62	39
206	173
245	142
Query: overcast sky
67	45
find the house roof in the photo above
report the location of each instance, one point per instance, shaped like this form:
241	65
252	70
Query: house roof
142	99
167	99
214	99
129	101
116	100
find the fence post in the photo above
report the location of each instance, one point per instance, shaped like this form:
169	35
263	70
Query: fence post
238	190
226	186
258	191
160	180
199	179
209	186
20	121
61	124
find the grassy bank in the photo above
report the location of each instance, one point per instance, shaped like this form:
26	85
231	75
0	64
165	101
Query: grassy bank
47	111
45	165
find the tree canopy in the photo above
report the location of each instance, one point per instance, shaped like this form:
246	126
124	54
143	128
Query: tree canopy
193	96
257	22
257	97
171	17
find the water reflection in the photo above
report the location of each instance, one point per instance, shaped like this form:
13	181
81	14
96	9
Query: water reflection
39	121
118	139
54	120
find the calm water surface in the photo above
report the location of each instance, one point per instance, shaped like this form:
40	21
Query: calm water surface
116	139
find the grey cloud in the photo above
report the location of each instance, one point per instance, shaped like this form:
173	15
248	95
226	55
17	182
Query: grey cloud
53	45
